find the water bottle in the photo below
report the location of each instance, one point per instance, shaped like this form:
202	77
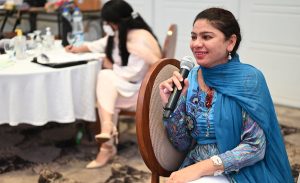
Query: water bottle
77	27
79	136
66	14
20	44
66	25
48	39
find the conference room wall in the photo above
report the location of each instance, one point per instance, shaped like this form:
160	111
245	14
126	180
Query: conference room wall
270	31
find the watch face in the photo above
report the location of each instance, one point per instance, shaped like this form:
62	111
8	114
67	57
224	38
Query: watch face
216	160
219	161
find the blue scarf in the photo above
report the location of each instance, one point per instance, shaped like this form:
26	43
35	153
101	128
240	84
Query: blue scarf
241	86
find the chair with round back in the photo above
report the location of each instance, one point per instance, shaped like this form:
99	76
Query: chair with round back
157	152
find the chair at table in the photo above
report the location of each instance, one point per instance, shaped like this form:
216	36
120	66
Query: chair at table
169	47
157	152
168	51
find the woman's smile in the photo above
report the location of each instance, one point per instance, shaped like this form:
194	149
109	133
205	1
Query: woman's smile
200	54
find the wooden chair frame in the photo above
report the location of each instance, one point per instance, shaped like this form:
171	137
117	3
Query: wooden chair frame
143	120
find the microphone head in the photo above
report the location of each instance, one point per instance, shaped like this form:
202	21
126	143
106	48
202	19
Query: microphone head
187	62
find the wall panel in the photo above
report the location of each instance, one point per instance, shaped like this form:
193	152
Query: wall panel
183	13
270	31
272	43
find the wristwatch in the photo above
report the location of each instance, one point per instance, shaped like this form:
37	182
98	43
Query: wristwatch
217	162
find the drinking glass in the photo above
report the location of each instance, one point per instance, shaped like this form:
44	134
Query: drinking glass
38	41
31	36
9	48
31	45
38	38
71	38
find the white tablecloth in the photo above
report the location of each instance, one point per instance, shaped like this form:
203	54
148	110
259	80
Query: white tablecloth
35	94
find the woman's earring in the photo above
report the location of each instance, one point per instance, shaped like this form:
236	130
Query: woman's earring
229	56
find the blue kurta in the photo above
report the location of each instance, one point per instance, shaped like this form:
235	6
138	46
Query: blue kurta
237	87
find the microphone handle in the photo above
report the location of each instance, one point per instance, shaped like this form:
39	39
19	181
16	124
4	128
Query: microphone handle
173	99
170	106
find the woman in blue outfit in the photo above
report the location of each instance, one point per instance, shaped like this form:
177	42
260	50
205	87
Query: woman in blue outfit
225	118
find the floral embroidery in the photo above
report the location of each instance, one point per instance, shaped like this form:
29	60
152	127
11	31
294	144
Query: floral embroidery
190	120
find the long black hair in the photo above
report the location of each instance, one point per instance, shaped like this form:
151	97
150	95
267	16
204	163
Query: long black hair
122	14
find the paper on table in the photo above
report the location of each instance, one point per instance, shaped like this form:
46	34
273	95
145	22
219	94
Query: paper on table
6	63
61	56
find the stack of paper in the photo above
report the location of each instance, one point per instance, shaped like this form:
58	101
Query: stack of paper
61	56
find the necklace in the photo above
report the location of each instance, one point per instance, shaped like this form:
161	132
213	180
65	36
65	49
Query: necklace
208	104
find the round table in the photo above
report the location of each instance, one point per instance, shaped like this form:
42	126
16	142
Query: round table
35	94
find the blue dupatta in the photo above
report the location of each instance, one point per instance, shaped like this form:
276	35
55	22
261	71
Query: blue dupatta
241	86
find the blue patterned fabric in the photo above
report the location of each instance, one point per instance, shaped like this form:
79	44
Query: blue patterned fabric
249	151
180	132
199	118
241	86
198	153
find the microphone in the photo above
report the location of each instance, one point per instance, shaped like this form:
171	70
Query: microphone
186	64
